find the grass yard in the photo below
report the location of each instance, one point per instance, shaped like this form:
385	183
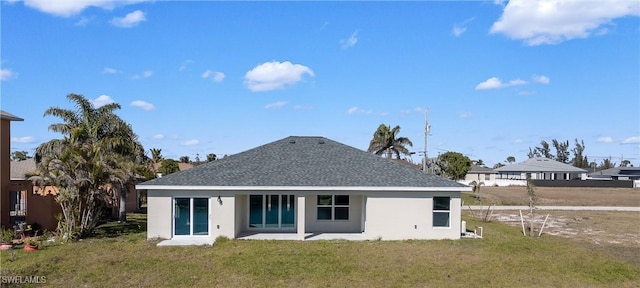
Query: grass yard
120	256
557	196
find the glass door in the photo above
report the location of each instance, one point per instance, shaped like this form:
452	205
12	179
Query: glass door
190	216
272	211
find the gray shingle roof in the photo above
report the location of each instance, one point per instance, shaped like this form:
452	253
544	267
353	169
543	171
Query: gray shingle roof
303	161
481	169
540	165
617	171
20	168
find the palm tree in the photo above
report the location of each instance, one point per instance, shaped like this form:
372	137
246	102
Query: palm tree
386	141
90	164
156	155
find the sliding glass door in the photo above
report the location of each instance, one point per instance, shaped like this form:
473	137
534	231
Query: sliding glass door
272	211
190	216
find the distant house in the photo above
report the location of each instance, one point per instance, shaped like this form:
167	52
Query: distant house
540	169
32	204
617	173
480	174
5	167
300	188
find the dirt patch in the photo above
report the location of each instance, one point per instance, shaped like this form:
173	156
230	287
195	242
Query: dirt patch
614	233
562	196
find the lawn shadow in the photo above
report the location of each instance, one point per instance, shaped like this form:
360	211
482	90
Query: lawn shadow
136	223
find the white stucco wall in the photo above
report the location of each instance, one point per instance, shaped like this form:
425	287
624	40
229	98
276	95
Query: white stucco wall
353	225
159	218
409	215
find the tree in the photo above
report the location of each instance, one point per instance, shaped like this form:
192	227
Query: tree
184	159
625	163
562	150
211	157
478	162
579	160
386	141
606	164
20	155
156	155
91	165
476	188
511	159
453	165
168	166
498	165
544	150
533	198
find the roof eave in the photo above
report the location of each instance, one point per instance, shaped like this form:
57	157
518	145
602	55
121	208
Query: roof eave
305	188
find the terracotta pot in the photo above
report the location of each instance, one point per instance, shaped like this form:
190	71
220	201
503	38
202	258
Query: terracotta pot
30	247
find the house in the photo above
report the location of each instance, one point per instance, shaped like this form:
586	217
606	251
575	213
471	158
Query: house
301	188
540	169
5	167
617	173
32	204
480	174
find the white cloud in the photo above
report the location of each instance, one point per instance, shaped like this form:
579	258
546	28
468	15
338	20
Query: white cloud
83	21
101	101
552	21
357	110
459	28
278	104
145	74
631	140
6	74
130	20
158	136
184	65
605	139
351	41
108	70
214	75
302	107
191	142
465	115
146	106
275	75
541	79
27	139
495	83
518	141
69	8
526	93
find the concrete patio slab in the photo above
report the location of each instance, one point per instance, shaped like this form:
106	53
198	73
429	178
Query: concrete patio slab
187	242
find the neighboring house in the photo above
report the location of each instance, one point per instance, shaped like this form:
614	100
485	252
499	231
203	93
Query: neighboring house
303	187
181	167
5	167
29	203
540	169
617	173
480	174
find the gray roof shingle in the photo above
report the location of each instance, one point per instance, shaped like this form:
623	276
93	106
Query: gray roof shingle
303	161
540	164
19	169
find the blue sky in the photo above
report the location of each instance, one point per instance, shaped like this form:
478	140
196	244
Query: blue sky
223	77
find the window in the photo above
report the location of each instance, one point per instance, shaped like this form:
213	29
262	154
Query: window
333	207
441	211
487	177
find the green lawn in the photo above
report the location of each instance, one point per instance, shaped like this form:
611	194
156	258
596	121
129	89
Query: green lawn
120	256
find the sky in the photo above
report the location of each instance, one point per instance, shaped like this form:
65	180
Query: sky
494	78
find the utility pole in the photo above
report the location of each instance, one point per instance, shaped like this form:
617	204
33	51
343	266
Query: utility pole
427	129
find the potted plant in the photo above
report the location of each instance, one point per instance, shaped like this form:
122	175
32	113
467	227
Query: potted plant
31	244
6	239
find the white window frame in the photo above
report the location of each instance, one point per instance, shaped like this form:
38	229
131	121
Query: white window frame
448	211
333	207
191	208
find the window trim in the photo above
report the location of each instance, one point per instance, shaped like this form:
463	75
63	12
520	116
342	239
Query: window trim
333	207
441	211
